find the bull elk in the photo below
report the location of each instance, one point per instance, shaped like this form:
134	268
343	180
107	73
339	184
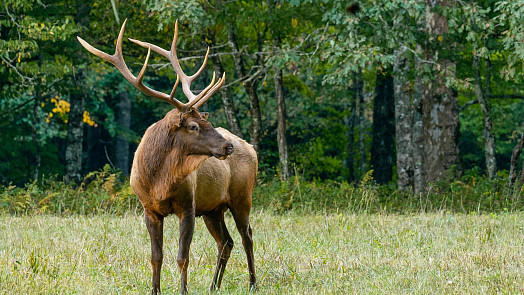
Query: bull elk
185	166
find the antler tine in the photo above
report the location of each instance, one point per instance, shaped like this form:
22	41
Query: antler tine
212	91
117	59
195	75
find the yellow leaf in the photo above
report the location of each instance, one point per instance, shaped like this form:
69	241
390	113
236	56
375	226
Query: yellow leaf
294	22
19	57
43	104
440	38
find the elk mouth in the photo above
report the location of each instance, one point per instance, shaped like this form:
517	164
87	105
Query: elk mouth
227	150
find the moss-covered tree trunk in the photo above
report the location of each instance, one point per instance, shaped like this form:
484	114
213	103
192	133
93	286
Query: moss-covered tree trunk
440	105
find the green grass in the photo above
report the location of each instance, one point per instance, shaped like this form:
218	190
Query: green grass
295	252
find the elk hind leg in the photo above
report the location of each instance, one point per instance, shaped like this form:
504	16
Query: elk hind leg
217	227
241	217
155	227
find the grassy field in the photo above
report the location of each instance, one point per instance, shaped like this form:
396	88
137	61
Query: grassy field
295	254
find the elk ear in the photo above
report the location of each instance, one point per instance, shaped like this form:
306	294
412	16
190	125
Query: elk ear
204	115
175	122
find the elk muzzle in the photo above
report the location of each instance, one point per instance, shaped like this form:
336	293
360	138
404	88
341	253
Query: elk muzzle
226	150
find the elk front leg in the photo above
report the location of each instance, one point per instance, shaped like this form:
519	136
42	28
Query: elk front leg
187	226
155	226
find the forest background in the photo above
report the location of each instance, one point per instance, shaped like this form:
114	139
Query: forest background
394	99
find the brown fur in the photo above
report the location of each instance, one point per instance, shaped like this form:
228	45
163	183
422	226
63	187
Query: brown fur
174	174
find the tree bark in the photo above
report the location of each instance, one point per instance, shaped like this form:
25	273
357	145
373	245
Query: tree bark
123	121
489	137
417	136
350	121
249	85
34	124
75	136
404	121
37	160
281	129
517	150
362	124
75	130
440	107
382	147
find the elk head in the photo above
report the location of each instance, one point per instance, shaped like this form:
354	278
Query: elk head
195	131
194	135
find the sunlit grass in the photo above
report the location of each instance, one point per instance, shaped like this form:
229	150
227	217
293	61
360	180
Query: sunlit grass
295	253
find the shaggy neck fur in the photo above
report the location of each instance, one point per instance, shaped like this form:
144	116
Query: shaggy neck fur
164	162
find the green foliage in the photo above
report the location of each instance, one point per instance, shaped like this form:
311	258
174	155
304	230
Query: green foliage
101	192
322	48
470	194
510	18
104	192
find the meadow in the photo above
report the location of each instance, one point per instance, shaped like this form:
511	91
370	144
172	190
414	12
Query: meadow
296	252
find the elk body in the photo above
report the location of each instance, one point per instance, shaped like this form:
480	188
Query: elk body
186	167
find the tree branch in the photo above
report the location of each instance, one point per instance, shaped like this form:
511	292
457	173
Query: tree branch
493	96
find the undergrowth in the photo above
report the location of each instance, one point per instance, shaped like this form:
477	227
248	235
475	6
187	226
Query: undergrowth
105	191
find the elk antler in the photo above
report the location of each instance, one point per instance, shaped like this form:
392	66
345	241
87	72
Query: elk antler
202	97
117	60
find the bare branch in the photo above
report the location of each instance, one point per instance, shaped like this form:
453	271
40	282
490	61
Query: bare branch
22	77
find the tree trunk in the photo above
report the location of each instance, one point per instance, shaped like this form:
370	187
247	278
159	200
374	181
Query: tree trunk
382	147
489	137
521	180
124	124
517	150
404	121
34	124
440	106
75	136
229	106
417	136
281	129
249	85
350	125
75	130
362	124
34	135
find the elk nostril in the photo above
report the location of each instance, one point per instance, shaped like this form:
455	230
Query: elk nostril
229	149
